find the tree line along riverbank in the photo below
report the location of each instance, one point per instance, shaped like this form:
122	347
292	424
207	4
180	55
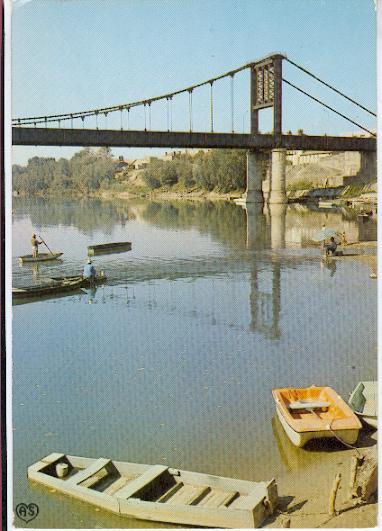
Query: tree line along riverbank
213	174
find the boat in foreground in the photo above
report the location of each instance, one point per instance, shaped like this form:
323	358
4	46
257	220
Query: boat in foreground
313	413
158	492
108	248
46	289
41	257
364	402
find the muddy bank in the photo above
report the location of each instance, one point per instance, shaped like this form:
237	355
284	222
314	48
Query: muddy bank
199	195
304	492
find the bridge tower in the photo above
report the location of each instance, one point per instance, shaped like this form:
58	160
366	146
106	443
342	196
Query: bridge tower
266	91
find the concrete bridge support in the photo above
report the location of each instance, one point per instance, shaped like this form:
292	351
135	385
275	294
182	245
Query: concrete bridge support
278	188
266	185
253	193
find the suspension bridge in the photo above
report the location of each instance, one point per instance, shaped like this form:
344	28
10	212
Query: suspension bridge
82	128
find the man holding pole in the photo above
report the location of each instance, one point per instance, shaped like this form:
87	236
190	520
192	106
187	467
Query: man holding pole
35	243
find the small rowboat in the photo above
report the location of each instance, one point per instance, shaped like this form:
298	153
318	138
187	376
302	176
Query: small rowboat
313	413
41	257
84	282
364	402
108	248
158	492
46	289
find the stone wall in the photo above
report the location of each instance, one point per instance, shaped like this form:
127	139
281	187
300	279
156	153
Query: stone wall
338	169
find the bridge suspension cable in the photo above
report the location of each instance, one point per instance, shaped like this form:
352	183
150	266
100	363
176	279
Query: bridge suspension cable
327	106
74	115
329	86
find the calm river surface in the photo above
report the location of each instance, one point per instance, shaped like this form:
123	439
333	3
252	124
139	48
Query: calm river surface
174	359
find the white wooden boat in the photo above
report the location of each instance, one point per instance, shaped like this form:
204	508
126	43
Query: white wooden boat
364	402
314	413
158	492
41	257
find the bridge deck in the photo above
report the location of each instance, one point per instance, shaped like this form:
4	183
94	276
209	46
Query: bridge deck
31	136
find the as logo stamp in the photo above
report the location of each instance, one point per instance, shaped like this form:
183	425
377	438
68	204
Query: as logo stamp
27	512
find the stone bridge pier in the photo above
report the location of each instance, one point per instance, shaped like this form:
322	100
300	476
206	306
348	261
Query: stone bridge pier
273	189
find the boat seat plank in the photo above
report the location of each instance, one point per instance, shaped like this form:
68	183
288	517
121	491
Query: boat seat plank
171	491
117	485
89	482
141	481
189	495
86	473
308	404
218	498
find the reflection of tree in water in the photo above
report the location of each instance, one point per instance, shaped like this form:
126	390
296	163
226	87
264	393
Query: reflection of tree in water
226	222
86	215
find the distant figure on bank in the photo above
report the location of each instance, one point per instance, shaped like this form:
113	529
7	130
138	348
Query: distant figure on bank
89	270
35	243
331	247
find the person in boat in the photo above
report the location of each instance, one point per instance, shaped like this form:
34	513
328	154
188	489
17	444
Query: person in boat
35	243
331	247
89	270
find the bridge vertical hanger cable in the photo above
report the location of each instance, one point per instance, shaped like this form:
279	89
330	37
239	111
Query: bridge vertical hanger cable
212	107
96	115
105	113
232	105
121	111
144	110
71	121
128	118
168	113
190	107
83	122
149	115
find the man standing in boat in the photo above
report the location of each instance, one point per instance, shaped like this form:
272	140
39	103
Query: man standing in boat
89	271
35	243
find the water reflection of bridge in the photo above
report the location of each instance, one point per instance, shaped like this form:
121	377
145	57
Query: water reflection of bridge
271	227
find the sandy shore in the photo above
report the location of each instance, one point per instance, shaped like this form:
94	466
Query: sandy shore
304	490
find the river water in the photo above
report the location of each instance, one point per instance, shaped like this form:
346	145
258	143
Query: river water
173	360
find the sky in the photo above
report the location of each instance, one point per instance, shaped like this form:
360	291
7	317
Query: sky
74	55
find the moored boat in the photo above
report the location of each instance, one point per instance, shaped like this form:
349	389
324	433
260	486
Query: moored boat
364	402
46	289
85	282
158	492
41	257
108	248
313	413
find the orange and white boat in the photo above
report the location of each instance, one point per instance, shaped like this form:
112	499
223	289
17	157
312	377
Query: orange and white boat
315	412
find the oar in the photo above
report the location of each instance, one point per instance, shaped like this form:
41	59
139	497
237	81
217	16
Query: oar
45	245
